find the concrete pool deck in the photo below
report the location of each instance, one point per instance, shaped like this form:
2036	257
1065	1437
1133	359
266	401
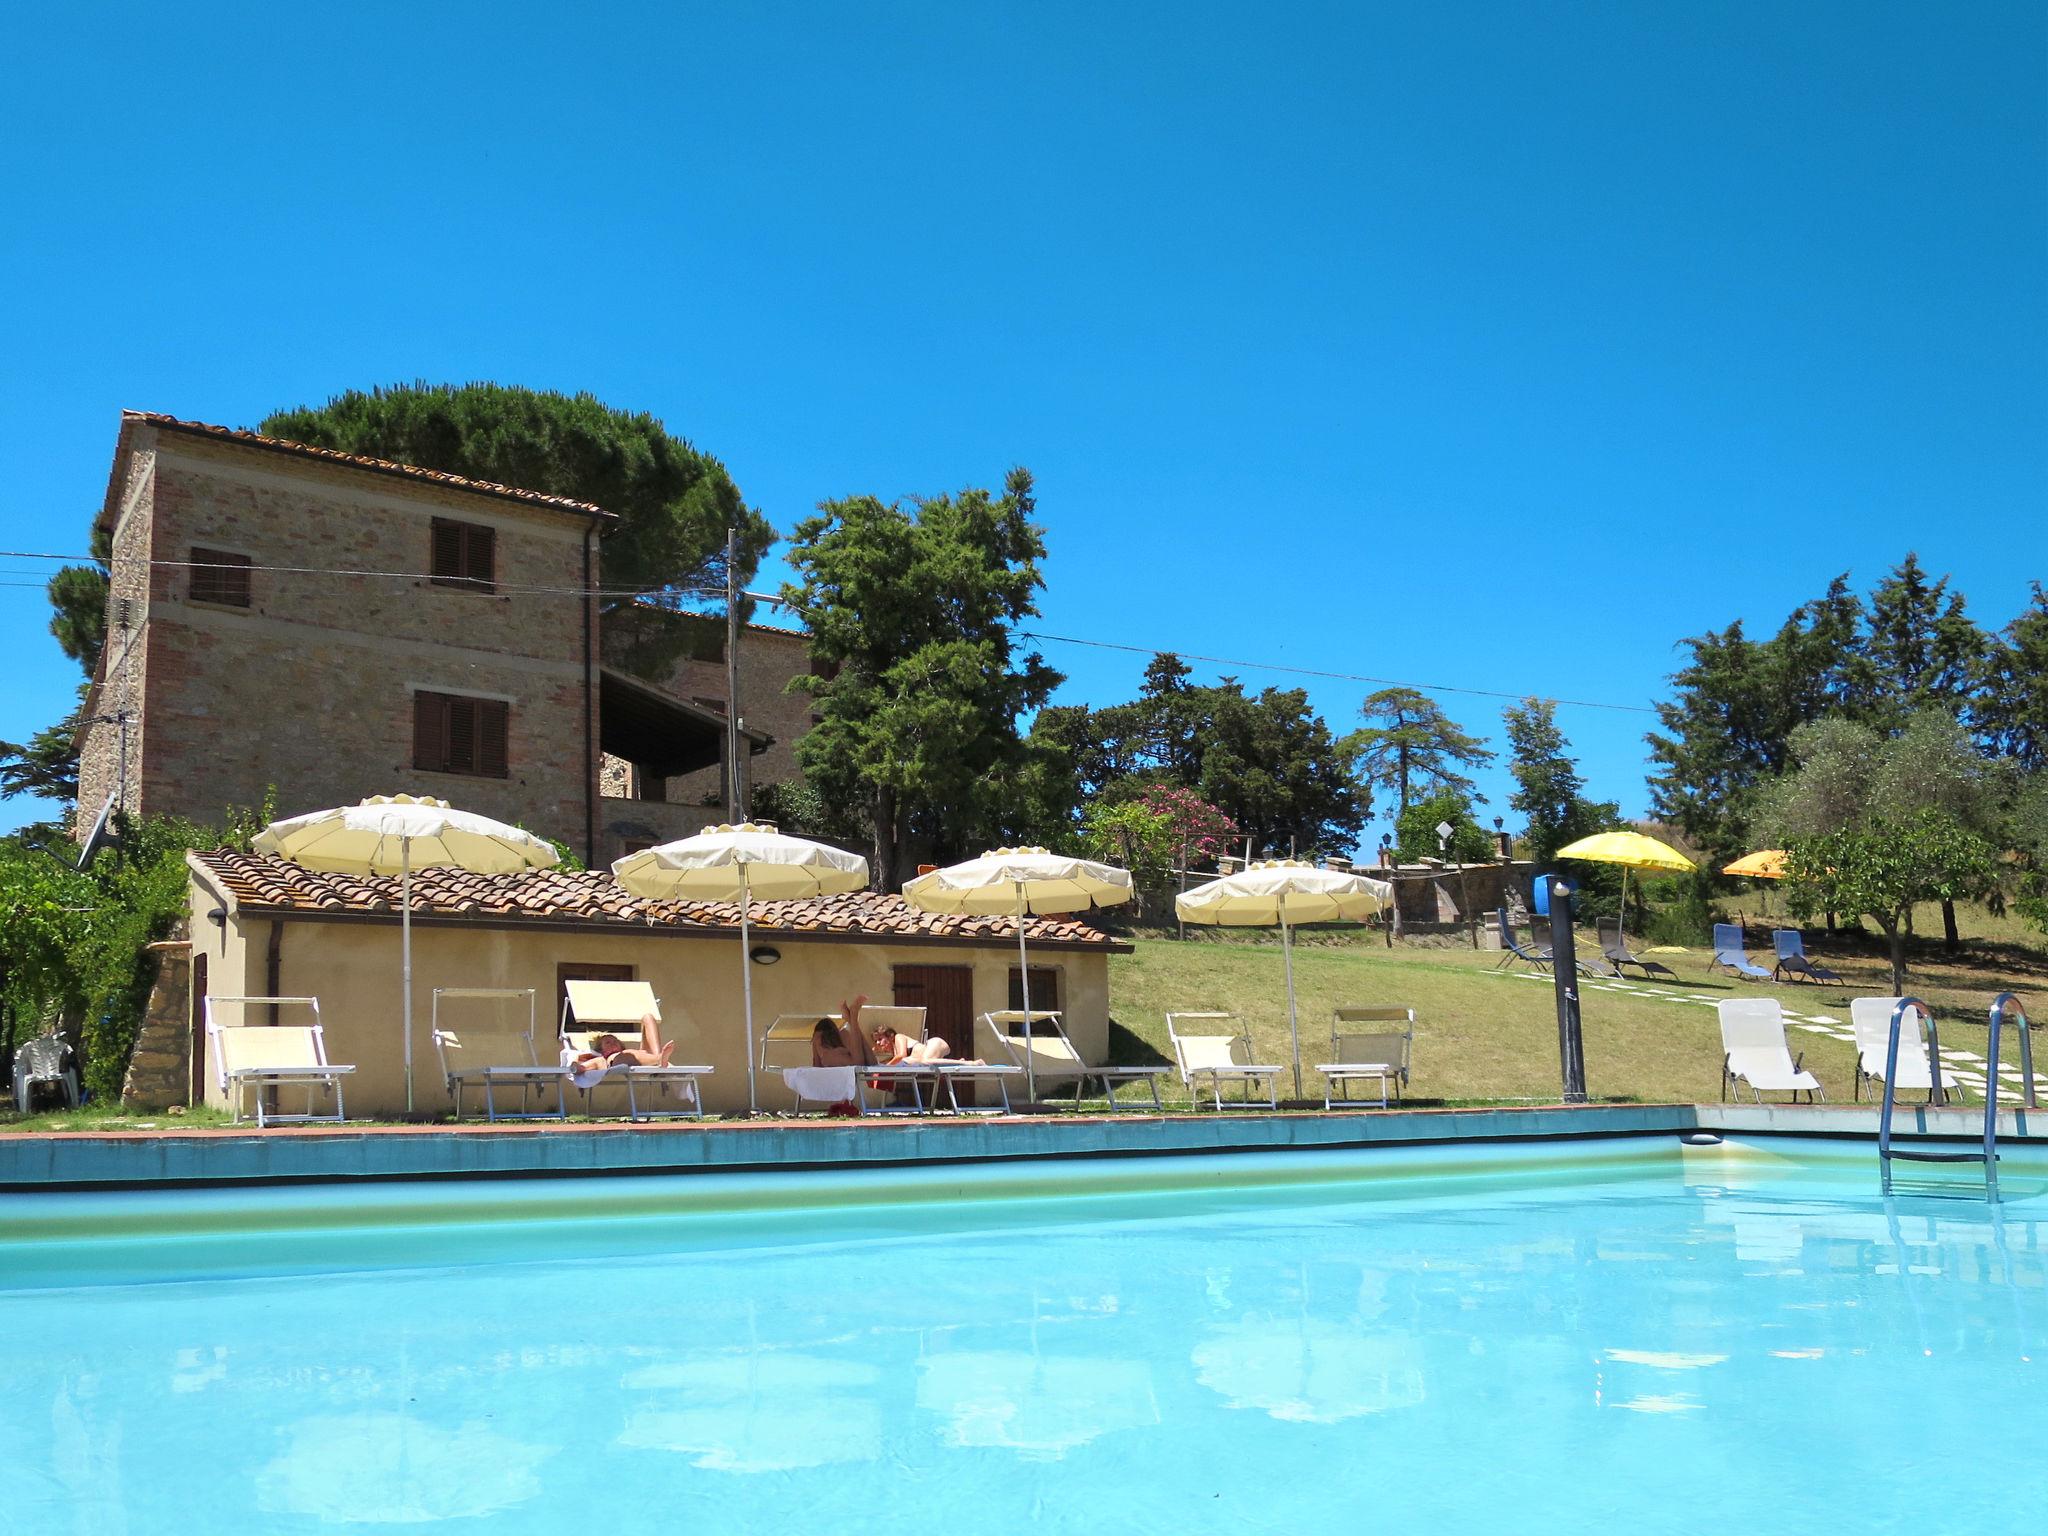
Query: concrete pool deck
240	1155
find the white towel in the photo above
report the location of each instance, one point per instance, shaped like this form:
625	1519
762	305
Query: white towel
824	1085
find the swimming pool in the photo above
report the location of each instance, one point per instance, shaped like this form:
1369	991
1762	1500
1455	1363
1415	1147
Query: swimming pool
1473	1339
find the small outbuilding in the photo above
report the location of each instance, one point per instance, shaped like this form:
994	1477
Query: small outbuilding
264	927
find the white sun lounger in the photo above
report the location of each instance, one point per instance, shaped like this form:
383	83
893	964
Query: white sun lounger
1871	1018
947	1074
593	1008
251	1059
786	1050
1357	1055
1754	1051
1216	1046
491	1056
1054	1059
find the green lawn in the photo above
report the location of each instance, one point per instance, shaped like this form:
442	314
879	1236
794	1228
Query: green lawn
1484	1036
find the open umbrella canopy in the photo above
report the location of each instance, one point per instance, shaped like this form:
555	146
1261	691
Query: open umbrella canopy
1631	850
395	835
1294	890
719	862
390	834
1010	880
1286	892
1766	864
744	863
1020	881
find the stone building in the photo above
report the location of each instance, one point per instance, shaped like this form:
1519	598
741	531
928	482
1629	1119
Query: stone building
328	626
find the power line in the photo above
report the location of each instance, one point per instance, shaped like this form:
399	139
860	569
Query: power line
1344	677
778	600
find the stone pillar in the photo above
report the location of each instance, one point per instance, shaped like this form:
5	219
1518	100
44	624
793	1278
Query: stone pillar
160	1070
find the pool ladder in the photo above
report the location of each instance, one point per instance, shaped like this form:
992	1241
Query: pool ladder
2005	1008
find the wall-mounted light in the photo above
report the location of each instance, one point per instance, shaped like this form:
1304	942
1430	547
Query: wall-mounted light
219	918
764	954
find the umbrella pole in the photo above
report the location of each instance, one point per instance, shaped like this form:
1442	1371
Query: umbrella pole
1024	976
1293	1023
747	991
405	929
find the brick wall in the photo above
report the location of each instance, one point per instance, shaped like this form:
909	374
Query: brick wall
310	687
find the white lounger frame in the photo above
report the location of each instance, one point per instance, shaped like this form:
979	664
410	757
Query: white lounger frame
1754	1050
1871	1019
786	1043
1054	1055
297	1059
1356	1055
1217	1046
527	1076
592	1008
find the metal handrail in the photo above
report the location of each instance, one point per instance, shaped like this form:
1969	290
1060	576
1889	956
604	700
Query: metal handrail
2004	1002
1891	1070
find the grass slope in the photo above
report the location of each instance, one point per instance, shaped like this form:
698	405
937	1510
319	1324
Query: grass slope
1485	1036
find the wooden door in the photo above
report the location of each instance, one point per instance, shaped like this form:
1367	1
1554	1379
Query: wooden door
946	994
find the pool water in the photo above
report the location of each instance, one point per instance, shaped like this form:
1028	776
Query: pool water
1499	1339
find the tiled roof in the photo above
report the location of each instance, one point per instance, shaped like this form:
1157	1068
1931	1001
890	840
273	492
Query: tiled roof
260	885
361	461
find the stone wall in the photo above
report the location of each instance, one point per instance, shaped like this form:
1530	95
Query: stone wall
159	1072
310	688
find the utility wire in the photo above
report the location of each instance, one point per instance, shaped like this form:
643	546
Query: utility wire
778	600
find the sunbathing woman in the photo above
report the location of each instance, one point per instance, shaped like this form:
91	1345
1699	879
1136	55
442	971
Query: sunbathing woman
892	1049
839	1042
608	1051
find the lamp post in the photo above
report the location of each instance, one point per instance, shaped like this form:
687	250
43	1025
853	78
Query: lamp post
1387	863
1564	967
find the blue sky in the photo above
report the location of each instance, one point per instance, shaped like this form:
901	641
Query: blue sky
1496	345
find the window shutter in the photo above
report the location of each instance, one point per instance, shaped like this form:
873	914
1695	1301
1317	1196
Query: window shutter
492	759
219	577
462	735
447	566
482	564
430	732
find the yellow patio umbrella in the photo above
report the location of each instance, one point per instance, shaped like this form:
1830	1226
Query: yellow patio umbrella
1766	864
1630	850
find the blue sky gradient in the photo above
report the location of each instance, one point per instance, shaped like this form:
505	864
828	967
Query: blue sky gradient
1496	345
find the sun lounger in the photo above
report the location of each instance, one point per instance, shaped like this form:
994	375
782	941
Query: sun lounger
593	1008
1358	1054
1730	955
1792	960
1054	1059
44	1062
1615	951
253	1059
824	1086
948	1074
1754	1051
1217	1047
1871	1018
1534	953
491	1057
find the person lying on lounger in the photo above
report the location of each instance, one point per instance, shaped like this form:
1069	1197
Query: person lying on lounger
840	1042
893	1049
608	1051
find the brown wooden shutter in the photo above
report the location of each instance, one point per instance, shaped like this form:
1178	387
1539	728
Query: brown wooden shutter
430	732
493	718
481	564
462	735
447	563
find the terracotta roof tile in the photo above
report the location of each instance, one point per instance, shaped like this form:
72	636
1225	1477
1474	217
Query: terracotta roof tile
362	461
264	885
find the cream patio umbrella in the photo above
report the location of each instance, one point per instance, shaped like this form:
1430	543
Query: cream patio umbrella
1020	881
1286	892
741	864
395	835
1631	850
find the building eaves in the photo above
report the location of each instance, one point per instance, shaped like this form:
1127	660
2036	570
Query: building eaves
591	899
413	472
